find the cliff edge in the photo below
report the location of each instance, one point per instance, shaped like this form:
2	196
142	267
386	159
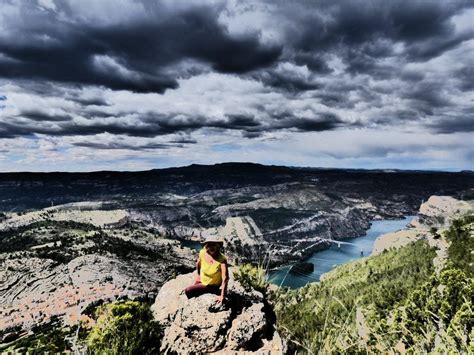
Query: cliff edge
244	323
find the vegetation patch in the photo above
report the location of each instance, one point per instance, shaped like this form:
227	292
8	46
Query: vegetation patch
321	317
393	302
124	328
45	339
461	238
251	277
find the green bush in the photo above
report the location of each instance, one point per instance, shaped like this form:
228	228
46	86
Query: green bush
45	339
251	277
460	251
124	328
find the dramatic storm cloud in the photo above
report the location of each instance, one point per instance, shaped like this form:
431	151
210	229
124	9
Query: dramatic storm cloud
88	84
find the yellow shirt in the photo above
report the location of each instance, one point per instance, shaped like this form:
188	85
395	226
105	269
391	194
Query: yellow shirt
211	273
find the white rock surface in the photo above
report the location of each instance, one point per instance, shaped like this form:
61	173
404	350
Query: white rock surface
98	218
439	211
200	325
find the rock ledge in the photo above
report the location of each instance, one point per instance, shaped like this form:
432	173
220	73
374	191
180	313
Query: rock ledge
198	325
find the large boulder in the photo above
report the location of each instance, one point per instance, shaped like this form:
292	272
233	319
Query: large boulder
200	325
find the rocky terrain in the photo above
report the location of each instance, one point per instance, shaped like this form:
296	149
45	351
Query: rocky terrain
291	211
56	268
195	326
117	235
82	212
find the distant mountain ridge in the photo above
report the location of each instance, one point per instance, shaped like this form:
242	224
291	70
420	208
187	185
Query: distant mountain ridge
31	190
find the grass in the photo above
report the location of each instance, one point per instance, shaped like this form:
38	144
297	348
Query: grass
322	316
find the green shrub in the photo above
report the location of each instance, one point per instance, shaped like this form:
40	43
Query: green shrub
460	251
45	339
441	308
124	328
251	277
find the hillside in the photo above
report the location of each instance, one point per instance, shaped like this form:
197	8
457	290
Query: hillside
403	298
399	300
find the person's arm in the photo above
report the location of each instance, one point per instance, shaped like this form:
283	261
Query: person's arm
198	269
225	281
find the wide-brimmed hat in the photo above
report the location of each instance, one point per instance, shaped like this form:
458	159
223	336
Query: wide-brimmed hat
213	239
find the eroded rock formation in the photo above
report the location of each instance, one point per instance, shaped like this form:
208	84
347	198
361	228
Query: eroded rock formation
200	325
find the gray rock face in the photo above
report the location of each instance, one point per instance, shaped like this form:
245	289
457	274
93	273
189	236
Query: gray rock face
200	325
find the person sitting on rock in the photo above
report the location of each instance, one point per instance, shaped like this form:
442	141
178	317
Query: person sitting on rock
212	271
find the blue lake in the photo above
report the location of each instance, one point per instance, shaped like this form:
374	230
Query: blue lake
192	244
326	260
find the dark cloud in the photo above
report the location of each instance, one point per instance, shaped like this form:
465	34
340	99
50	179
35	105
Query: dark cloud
342	56
183	140
314	62
426	97
465	75
363	33
92	101
373	26
127	56
449	125
307	125
286	80
320	122
38	115
242	121
96	113
123	145
139	55
331	99
151	125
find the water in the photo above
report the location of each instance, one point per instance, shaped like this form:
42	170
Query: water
326	260
192	244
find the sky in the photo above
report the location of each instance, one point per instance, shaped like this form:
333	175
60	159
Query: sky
134	85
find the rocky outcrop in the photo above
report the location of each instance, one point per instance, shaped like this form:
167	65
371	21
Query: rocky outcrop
199	325
396	239
439	211
97	218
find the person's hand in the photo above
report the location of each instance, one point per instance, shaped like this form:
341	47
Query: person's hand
197	279
220	299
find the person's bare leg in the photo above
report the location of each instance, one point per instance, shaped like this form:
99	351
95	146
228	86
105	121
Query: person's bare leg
195	290
199	289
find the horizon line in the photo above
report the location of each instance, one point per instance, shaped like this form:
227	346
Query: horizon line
386	169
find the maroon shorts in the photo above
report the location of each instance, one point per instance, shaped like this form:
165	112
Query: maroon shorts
199	289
